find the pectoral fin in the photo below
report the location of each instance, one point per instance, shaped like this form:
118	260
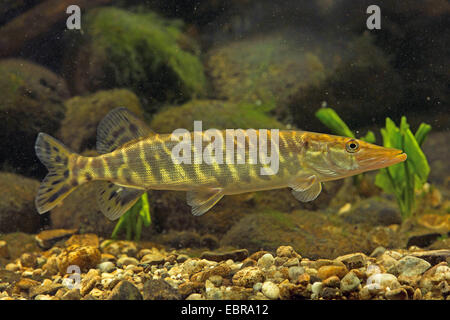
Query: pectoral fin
303	183
115	200
308	194
202	201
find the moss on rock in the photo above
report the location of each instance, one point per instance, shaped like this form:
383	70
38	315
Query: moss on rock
79	127
141	51
214	114
31	101
17	211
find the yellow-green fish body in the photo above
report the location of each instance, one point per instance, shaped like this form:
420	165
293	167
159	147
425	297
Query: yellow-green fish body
134	159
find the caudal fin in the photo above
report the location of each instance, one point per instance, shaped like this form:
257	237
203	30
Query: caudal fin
55	186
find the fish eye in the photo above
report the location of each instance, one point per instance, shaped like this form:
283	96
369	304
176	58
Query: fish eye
352	146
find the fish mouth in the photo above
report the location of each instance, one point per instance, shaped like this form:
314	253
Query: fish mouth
383	159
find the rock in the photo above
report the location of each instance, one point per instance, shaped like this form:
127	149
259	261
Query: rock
325	272
266	261
382	281
153	259
267	76
26	283
32	101
125	261
17	210
433	256
28	260
79	127
247	277
417	294
353	260
51	266
357	61
4	253
150	58
159	290
44	289
375	211
316	288
388	263
412	266
221	269
350	282
87	239
47	238
295	272
106	266
396	294
330	293
270	290
73	294
287	251
125	290
332	282
83	257
235	255
377	252
290	291
116	248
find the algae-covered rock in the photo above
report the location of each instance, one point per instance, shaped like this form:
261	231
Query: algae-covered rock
31	101
363	87
213	114
141	51
311	233
17	211
374	211
79	127
265	70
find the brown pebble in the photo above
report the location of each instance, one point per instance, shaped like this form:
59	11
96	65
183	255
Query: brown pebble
189	287
303	279
258	254
417	294
26	283
248	263
396	294
325	272
332	282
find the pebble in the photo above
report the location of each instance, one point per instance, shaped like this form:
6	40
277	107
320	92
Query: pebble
235	255
350	282
124	261
412	266
266	261
247	277
106	267
316	288
295	272
83	257
332	282
287	251
382	281
153	259
396	294
270	290
325	272
353	260
125	290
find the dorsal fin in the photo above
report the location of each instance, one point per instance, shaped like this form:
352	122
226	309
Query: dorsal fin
118	127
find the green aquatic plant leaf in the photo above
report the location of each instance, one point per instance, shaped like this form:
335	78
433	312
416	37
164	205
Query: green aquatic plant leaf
422	133
133	220
404	178
330	118
369	137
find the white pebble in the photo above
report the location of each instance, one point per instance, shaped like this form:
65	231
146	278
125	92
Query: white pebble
270	290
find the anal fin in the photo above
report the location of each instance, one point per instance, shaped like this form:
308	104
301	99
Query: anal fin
115	200
202	201
303	183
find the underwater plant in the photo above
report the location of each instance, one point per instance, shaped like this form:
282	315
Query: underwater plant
330	118
403	179
133	220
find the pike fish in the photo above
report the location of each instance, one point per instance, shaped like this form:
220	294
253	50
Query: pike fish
134	159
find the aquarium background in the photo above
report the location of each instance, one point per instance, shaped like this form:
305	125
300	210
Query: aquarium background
231	64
